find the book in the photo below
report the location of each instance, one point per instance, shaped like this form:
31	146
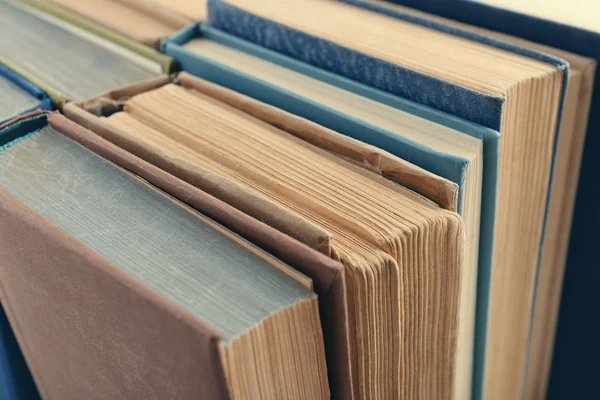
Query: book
569	28
376	118
75	64
568	151
72	19
17	96
156	290
144	22
16	382
414	170
554	11
14	100
306	152
335	44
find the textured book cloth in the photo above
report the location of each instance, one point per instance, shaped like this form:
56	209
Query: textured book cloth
14	100
197	372
74	63
73	19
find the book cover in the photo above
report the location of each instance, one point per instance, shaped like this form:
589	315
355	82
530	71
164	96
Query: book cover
444	165
145	51
296	126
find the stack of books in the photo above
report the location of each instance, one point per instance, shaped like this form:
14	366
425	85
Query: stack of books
300	199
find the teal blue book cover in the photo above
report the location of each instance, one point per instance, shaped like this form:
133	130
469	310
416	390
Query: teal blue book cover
16	382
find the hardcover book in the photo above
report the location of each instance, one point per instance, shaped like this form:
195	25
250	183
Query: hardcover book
19	96
67	62
145	22
348	199
163	294
16	382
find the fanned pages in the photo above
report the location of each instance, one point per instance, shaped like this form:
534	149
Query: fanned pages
402	253
426	133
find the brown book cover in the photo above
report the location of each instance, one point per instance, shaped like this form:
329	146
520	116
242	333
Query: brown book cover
39	258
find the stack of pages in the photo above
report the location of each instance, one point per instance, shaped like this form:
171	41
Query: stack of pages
19	95
300	199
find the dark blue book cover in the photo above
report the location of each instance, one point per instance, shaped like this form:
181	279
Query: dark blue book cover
576	353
